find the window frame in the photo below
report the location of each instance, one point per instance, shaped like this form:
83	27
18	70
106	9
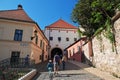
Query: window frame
59	39
75	39
18	35
50	38
67	38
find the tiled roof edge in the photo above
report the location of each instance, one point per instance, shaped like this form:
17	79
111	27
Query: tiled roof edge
16	20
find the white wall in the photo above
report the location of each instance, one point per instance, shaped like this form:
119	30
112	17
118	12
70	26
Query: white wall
59	32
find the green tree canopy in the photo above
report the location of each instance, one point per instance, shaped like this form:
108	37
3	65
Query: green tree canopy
94	15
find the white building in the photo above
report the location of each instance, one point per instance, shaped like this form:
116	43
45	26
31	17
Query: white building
60	35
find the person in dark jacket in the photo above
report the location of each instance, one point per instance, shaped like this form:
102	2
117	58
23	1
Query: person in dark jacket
50	66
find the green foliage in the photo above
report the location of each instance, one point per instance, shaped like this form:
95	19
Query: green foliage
80	33
95	15
98	31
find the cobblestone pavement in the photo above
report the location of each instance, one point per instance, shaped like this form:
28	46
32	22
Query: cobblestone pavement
70	75
72	72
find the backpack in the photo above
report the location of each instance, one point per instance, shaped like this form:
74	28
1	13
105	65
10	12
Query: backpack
57	58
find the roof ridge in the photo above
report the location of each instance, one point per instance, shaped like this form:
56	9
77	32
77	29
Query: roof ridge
27	15
10	10
54	22
60	23
16	14
67	23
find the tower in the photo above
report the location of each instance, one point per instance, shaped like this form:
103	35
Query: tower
60	35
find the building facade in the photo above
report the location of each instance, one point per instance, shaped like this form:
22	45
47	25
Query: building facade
75	51
60	35
21	36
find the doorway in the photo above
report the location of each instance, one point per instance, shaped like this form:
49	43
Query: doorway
15	57
56	50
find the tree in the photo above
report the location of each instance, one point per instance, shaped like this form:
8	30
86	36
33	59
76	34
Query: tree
95	15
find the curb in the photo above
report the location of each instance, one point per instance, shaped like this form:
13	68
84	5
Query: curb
29	75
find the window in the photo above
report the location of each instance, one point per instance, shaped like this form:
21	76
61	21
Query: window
40	57
41	43
46	56
46	47
70	52
15	54
18	35
15	57
78	48
51	38
73	50
75	39
59	38
36	40
67	39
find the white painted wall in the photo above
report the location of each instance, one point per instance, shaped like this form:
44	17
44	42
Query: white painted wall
61	32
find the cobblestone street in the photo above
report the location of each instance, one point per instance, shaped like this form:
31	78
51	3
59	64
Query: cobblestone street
72	72
70	75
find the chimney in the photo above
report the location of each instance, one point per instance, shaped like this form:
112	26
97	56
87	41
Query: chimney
19	6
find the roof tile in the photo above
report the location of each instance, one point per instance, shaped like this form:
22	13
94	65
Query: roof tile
18	14
61	24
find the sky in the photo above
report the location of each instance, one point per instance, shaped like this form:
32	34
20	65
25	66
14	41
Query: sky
44	12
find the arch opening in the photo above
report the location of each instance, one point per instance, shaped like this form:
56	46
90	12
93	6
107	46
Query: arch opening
56	50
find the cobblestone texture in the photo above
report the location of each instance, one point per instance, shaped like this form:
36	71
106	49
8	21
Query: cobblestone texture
72	72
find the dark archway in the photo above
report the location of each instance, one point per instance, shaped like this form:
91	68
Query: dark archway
56	50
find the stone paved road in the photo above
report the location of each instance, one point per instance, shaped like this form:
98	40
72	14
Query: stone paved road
70	75
72	72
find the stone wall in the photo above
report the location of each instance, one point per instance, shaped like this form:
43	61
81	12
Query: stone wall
104	56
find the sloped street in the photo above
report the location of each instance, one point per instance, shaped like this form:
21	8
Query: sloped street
74	71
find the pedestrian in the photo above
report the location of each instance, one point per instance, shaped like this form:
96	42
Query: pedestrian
64	59
27	61
50	65
50	68
56	61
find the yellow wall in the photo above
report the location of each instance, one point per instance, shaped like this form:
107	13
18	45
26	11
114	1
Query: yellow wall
8	30
6	48
26	46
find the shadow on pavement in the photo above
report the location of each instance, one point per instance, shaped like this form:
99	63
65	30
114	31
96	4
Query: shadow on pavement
69	75
70	66
42	67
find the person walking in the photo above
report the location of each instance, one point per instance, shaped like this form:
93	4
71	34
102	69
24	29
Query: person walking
64	59
50	68
56	62
50	65
27	61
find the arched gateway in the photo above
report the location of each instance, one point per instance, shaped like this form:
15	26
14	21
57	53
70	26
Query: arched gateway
56	50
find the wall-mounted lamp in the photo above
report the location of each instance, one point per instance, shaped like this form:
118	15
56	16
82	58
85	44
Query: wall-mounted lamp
35	34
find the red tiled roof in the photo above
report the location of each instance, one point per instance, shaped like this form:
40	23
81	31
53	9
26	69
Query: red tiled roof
61	24
18	14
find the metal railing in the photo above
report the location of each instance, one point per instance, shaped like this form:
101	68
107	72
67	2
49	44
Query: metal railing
12	70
